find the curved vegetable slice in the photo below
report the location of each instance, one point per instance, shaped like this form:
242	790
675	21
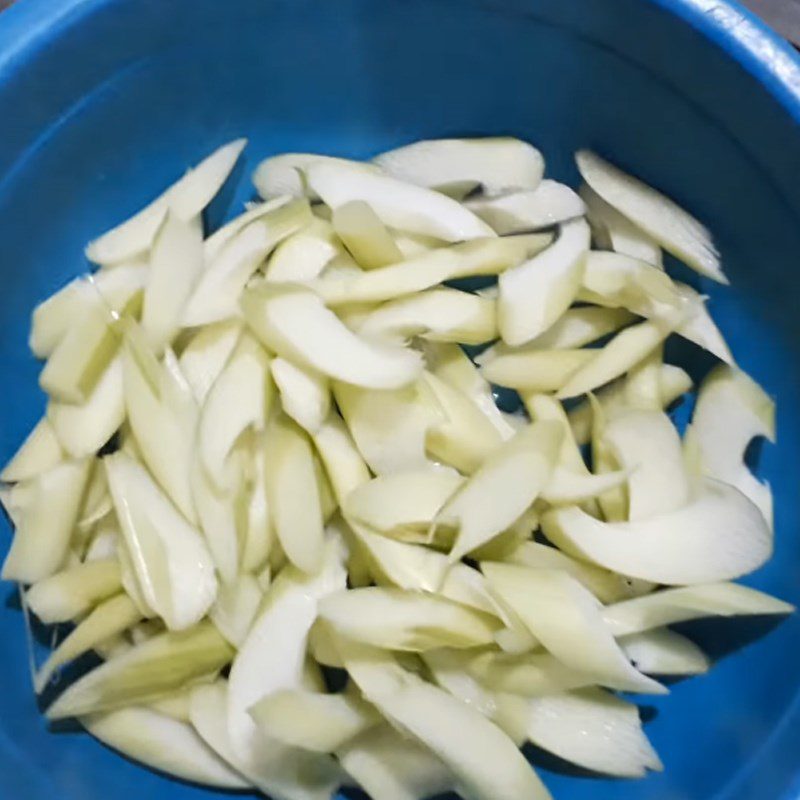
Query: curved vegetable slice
172	563
673	228
217	240
399	204
441	315
577	327
479	257
398	620
205	356
718	536
392	766
593	729
39	453
390	428
293	495
364	235
272	658
304	255
550	203
496	163
669	606
296	324
616	232
566	618
160	665
110	618
74	591
83	429
342	461
312	721
664	652
503	487
235	608
305	395
216	295
176	264
286	174
534	370
536	293
529	674
186	198
45	520
731	410
166	744
647	445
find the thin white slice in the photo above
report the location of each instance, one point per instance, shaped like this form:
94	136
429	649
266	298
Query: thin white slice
664	652
45	520
593	729
503	487
296	324
305	395
532	370
216	295
536	293
369	241
720	535
567	619
204	357
345	467
550	203
186	198
304	255
172	563
731	410
285	174
399	204
673	228
40	452
217	240
157	741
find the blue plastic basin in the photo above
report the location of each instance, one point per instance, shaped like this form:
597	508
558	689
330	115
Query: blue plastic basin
104	101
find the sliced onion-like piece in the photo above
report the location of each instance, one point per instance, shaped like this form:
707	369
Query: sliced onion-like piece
528	674
364	235
235	608
532	370
664	652
496	163
718	536
343	463
577	327
217	240
40	452
296	324
399	204
593	729
186	199
731	410
172	563
503	487
304	255
550	203
566	618
673	228
205	356
305	395
536	293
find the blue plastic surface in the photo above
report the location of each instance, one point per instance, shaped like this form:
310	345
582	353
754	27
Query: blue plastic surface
102	102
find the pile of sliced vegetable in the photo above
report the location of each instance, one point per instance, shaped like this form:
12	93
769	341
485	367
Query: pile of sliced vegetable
273	492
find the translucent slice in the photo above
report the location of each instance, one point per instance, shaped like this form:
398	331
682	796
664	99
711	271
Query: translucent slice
593	729
345	467
616	232
216	295
673	228
536	293
44	520
285	174
293	494
398	204
670	606
398	620
71	593
305	395
731	410
550	203
504	486
235	608
443	315
165	744
467	259
297	325
176	264
40	452
720	535
186	198
204	357
497	164
534	370
319	722
390	428
664	652
172	563
529	674
369	241
161	665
